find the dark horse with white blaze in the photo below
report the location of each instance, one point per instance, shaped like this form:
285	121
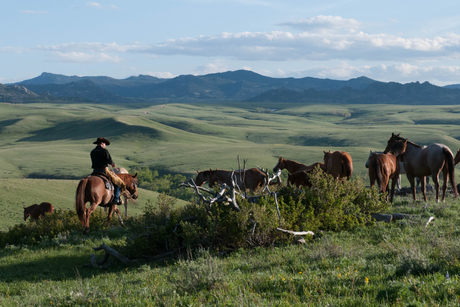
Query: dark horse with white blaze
92	189
425	161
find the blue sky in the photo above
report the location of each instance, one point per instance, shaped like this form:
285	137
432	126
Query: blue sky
402	41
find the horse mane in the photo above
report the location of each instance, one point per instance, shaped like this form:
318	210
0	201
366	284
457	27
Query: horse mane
398	147
399	138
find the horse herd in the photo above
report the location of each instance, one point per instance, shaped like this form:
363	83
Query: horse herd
399	154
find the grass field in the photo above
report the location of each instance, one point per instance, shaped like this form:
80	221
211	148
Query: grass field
44	150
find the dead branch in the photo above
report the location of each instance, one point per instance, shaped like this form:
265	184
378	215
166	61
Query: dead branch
296	233
110	252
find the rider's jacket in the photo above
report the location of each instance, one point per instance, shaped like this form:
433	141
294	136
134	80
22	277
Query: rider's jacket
100	158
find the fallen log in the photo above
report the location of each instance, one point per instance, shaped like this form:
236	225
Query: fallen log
110	252
296	233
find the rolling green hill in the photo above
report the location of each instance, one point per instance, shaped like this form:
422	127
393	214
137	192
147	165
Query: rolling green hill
54	141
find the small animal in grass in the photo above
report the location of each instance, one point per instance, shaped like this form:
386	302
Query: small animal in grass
36	211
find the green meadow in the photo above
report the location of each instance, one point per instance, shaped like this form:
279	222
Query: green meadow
53	141
44	151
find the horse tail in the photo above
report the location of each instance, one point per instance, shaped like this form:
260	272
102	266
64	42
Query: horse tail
450	164
378	174
80	204
347	166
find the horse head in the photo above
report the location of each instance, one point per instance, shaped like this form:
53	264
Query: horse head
327	156
28	211
131	186
279	165
392	141
204	176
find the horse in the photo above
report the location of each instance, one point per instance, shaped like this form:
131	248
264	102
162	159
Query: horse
339	164
425	161
92	189
457	157
121	170
401	167
253	178
295	167
383	167
37	211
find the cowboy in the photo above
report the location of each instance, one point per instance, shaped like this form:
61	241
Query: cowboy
101	159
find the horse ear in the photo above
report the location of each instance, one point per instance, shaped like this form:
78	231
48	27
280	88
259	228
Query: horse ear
135	175
324	151
197	171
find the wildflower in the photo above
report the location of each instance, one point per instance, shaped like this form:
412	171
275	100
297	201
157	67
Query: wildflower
366	280
300	272
339	275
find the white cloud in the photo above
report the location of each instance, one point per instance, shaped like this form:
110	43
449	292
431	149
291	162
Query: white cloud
324	23
163	75
81	57
404	72
213	67
102	7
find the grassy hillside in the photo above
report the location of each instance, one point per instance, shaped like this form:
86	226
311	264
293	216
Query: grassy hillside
54	141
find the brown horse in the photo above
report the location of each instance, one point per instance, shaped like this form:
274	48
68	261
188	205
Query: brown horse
425	161
253	178
295	167
338	164
457	157
36	211
298	179
383	167
92	189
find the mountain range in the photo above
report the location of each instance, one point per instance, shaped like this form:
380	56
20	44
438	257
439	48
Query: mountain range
240	85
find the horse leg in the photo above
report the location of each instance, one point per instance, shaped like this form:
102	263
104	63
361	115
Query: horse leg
393	185
412	185
422	187
126	206
445	177
89	210
436	185
117	211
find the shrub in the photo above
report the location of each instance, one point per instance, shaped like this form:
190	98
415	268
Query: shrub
50	226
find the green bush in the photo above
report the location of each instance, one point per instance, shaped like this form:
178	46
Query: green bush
50	226
329	204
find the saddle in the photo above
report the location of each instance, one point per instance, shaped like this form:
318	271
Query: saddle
107	182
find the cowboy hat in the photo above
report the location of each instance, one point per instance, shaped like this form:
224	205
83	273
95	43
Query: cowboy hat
102	140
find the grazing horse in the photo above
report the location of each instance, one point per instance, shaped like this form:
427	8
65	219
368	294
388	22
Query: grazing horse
295	167
121	170
338	164
431	160
383	167
253	178
36	211
92	189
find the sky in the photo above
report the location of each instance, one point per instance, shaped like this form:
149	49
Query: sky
400	41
